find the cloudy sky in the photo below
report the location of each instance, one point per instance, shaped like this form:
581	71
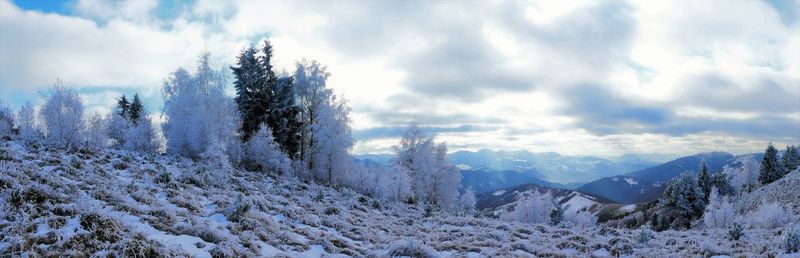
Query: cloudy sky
599	78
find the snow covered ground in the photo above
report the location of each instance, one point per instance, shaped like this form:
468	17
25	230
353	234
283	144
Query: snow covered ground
129	204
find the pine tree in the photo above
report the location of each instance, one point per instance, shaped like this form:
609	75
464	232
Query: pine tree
770	168
704	181
250	96
135	110
790	159
557	215
682	203
285	118
122	106
723	185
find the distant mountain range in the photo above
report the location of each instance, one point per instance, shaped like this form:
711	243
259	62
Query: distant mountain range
550	166
648	184
486	170
626	180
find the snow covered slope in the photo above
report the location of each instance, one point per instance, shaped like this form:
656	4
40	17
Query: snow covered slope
134	205
785	191
495	203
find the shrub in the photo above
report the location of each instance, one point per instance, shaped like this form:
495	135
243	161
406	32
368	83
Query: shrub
102	228
140	247
770	216
163	178
241	206
119	165
644	235
791	239
735	232
410	248
331	211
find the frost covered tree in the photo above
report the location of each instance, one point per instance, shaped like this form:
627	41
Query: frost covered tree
332	141
141	136
363	179
745	177
531	208
682	203
6	120
467	201
131	128
704	180
261	152
119	122
722	184
26	123
62	114
95	135
770	170
310	87
394	184
583	219
434	179
198	117
719	212
790	159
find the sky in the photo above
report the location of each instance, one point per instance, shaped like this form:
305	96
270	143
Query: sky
599	78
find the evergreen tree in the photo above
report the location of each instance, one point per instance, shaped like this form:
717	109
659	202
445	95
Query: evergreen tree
557	215
682	203
122	106
770	168
285	118
704	181
251	96
136	110
790	159
723	185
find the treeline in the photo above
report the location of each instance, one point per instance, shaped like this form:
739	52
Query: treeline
277	123
705	198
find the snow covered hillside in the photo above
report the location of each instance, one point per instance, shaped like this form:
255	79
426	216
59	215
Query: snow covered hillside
117	203
497	202
784	192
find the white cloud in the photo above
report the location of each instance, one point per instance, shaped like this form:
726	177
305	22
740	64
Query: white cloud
513	66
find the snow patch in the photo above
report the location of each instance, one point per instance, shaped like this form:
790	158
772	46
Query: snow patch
463	166
186	242
631	181
498	192
628	208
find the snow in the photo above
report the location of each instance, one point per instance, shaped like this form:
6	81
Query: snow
462	166
631	181
499	192
42	229
219	219
288	219
628	208
616	179
268	250
186	242
72	226
576	204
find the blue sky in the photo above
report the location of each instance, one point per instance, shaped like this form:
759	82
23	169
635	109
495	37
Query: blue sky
600	78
